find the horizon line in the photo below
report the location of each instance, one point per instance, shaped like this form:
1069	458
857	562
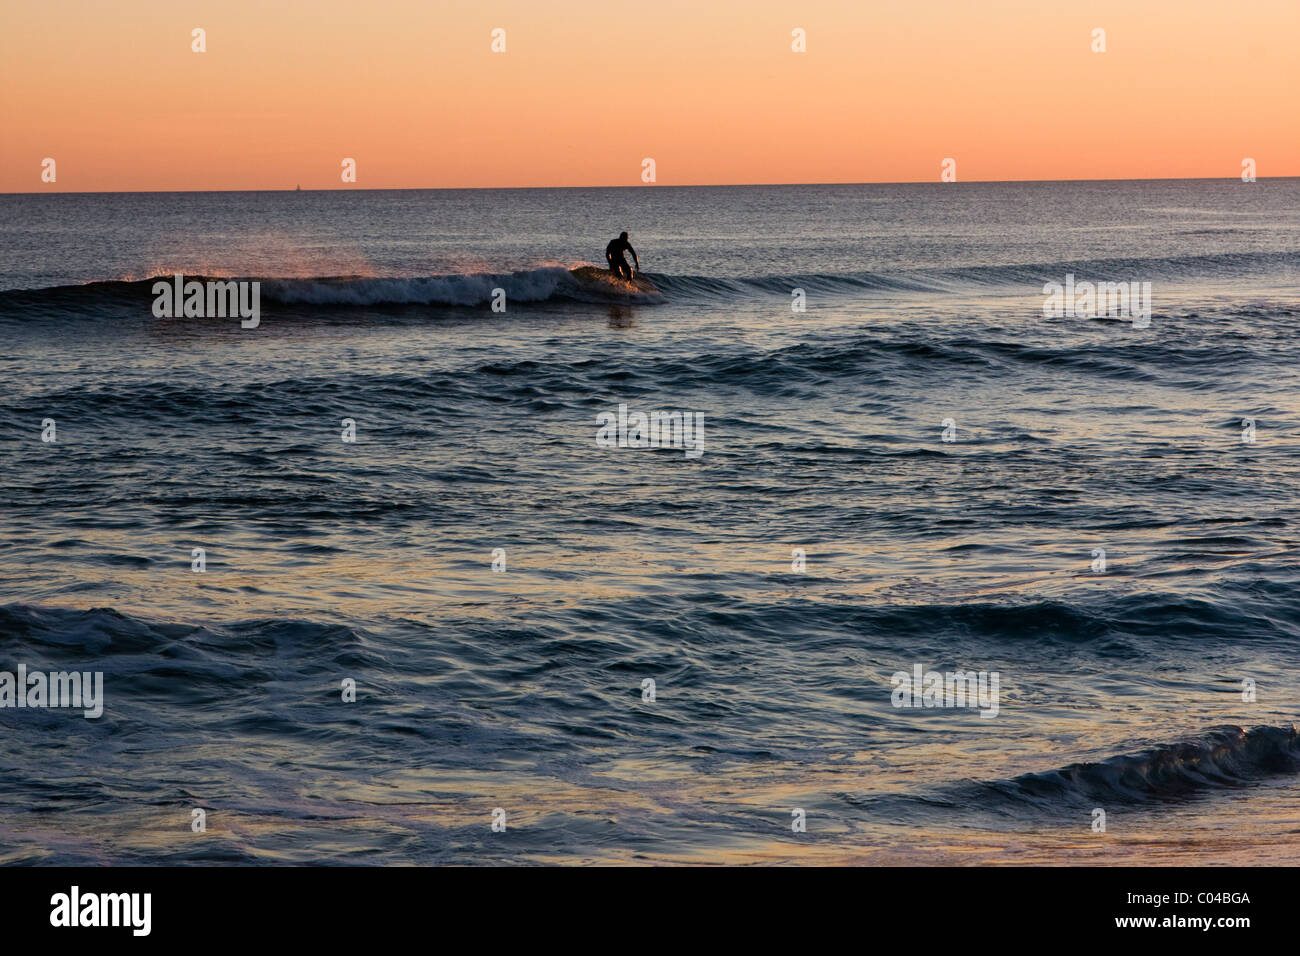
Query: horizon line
325	189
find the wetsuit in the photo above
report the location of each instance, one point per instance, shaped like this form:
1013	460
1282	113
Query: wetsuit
614	256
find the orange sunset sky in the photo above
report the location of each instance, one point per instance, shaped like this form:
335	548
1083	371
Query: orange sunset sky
710	90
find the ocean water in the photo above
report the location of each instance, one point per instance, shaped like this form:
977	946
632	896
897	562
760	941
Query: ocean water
1160	690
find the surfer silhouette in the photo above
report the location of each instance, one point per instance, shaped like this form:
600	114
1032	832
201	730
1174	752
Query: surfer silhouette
614	256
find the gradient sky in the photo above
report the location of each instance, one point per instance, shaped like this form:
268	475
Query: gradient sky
709	89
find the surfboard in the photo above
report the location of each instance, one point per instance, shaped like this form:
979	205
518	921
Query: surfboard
603	279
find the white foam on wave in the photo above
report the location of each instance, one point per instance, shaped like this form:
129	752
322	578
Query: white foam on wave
528	285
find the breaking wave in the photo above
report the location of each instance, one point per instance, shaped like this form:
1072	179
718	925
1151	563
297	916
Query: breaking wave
558	283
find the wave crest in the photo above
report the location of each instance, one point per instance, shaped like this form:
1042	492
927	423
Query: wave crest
1222	757
556	282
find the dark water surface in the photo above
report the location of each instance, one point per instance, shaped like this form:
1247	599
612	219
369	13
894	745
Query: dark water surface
823	431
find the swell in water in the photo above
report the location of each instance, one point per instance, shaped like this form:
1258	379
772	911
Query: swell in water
559	283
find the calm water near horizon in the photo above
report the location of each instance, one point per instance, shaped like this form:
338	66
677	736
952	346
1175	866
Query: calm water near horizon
1124	689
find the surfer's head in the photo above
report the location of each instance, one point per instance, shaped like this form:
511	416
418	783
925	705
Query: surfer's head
622	235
